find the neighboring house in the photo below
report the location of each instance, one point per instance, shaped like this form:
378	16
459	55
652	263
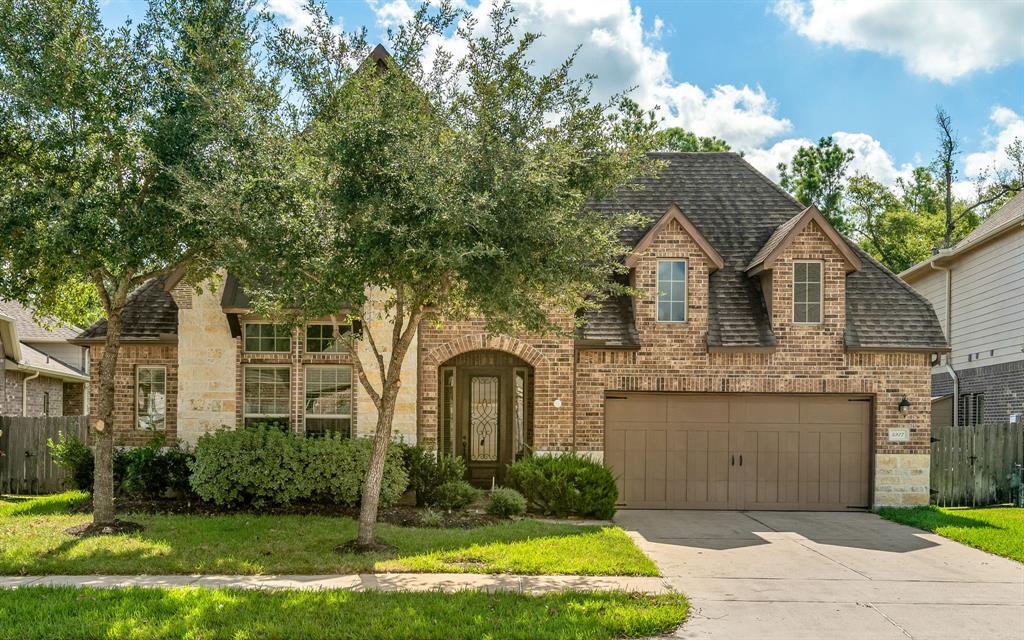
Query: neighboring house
977	289
769	363
41	372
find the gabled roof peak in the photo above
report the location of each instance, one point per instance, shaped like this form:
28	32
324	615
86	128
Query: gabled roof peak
784	234
676	214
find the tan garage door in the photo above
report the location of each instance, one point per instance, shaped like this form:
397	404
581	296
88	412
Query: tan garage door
720	451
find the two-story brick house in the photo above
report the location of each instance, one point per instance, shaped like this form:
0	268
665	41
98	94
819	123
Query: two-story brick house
769	363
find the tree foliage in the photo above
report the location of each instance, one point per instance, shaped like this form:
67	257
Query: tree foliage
817	175
679	139
449	187
110	141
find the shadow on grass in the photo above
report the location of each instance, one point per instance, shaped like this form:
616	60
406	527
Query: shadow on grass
262	544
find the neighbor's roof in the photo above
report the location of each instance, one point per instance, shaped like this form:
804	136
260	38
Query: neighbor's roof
32	330
1007	217
151	315
738	210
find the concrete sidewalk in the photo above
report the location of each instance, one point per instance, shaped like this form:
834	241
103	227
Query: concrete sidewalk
446	582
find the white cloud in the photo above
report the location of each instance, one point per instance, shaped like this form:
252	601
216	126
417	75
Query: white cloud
767	159
293	12
1007	126
939	40
616	45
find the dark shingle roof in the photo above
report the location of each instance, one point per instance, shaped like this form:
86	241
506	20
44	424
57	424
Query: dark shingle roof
738	210
150	315
610	325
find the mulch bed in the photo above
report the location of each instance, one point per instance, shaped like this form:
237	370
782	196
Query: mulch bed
400	515
92	529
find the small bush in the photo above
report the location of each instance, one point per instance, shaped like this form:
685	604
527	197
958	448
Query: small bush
428	472
431	518
70	454
457	494
263	465
506	503
153	470
567	484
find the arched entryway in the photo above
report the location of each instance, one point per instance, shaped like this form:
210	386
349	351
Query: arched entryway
485	410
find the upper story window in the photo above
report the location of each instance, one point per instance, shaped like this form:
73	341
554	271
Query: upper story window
672	291
320	339
266	337
807	294
151	398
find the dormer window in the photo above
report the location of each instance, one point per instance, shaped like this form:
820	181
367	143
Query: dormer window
672	291
807	292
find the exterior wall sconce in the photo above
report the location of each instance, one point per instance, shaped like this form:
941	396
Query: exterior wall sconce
904	405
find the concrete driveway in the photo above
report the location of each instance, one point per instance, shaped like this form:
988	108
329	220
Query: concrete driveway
835	576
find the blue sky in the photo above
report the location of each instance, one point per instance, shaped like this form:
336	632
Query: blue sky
769	76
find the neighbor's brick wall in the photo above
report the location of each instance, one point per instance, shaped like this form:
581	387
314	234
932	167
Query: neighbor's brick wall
1002	384
12	403
808	359
130	357
551	358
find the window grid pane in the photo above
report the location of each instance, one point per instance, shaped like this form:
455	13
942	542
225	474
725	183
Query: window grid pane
672	291
266	392
329	391
320	339
807	292
263	336
151	398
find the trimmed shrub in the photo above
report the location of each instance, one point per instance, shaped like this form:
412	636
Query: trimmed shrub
263	465
337	470
506	503
457	494
568	484
70	454
151	470
428	472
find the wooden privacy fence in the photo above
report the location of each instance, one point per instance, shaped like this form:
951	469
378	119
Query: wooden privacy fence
26	465
976	465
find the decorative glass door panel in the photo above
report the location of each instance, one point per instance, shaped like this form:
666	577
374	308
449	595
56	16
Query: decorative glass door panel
483	418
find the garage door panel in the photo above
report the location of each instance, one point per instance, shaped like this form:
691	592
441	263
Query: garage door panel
798	452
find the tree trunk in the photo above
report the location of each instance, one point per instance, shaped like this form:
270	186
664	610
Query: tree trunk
370	503
103	441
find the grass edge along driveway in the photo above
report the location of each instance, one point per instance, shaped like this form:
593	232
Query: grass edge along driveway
998	530
33	542
77	613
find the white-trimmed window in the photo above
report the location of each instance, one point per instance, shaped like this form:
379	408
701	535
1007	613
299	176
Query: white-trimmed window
672	291
264	337
150	398
320	338
328	400
266	394
807	291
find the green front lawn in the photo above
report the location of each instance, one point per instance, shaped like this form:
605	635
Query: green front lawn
998	530
33	541
70	613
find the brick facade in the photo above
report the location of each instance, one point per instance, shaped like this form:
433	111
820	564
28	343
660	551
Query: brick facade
129	358
73	399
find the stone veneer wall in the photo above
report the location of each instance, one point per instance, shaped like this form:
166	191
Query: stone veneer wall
206	362
808	359
130	357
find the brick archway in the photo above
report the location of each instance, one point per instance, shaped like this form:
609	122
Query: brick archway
478	341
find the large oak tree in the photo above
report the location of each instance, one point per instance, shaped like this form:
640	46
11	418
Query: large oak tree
446	186
111	141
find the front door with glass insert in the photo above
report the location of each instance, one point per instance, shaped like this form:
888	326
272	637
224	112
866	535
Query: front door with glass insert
483	437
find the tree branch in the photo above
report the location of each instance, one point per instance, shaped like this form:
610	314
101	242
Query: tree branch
357	364
376	352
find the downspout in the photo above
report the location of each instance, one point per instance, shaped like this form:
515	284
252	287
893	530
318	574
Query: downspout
24	394
949	337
